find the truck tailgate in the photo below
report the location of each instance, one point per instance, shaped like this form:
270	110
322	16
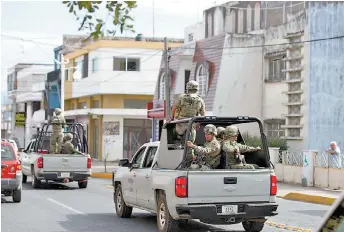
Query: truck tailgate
64	163
229	186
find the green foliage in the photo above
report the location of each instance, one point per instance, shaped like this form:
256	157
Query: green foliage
256	141
86	11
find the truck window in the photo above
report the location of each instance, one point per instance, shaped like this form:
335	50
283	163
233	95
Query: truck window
138	159
150	157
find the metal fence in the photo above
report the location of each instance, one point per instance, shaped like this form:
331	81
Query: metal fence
326	160
320	160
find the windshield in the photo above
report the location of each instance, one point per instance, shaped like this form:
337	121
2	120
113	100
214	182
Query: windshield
7	153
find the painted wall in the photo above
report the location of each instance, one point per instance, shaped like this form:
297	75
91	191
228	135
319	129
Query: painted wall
326	80
113	144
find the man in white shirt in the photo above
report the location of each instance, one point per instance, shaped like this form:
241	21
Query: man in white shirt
335	156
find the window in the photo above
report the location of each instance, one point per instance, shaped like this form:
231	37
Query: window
126	64
139	157
274	128
82	105
150	157
7	153
190	37
202	80
95	104
95	65
162	87
135	104
66	75
276	65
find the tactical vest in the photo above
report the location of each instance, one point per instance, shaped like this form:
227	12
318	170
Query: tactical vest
190	105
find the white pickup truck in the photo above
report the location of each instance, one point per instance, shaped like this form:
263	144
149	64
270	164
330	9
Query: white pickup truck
158	180
42	166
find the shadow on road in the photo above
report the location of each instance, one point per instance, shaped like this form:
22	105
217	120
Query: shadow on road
51	186
144	222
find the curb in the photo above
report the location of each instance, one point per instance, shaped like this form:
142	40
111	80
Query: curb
309	198
103	175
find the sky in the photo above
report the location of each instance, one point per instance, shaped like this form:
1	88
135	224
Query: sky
47	21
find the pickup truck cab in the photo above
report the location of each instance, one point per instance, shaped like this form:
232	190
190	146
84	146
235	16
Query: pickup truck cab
158	180
11	174
41	165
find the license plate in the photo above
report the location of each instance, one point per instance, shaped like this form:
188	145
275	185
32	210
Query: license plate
229	209
65	174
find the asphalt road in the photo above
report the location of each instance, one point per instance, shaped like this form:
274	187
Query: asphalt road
61	208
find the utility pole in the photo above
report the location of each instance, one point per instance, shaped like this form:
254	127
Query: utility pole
167	81
62	70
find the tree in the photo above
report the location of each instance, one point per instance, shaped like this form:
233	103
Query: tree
117	12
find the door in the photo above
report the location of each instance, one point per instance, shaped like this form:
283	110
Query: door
186	77
145	194
129	186
95	139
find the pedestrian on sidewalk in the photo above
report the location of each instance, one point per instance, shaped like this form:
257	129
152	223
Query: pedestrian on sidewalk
335	158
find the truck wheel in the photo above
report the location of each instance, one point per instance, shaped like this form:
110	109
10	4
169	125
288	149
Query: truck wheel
16	196
82	184
253	226
122	210
36	183
164	220
24	178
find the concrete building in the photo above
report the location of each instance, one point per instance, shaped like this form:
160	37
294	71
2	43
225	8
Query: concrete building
26	85
253	61
107	87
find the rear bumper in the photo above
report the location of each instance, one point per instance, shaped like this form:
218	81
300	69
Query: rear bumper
11	184
209	213
56	176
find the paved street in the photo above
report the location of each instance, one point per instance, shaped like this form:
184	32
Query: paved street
58	208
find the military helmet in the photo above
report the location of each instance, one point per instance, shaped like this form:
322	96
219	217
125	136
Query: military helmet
231	131
210	128
68	136
192	85
57	111
220	130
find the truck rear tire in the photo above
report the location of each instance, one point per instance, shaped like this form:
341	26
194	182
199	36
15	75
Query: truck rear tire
122	210
253	226
16	195
36	183
24	178
164	220
82	184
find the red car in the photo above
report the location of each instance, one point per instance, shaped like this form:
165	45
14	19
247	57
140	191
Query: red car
11	173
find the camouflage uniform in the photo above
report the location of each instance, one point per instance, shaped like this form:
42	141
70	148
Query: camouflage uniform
211	150
68	147
56	139
220	133
233	150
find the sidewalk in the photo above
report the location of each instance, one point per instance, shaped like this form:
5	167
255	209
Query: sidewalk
307	194
98	169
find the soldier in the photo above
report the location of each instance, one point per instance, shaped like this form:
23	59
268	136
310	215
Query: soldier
220	133
68	147
58	123
212	148
234	149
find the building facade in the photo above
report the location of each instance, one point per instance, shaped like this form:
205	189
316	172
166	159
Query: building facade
107	88
253	61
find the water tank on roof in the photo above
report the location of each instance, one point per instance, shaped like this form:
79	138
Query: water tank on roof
138	37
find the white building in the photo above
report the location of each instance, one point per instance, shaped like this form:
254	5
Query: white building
28	113
107	88
252	61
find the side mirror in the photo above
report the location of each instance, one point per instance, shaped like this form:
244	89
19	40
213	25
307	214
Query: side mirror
123	163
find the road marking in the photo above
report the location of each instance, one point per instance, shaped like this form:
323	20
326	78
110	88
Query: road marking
65	206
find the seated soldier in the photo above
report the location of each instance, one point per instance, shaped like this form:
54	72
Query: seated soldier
68	147
211	149
220	133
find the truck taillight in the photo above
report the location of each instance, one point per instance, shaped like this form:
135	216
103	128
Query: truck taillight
273	185
181	185
40	162
18	166
89	163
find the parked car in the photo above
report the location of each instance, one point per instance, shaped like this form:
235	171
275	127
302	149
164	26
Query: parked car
159	180
42	165
11	172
